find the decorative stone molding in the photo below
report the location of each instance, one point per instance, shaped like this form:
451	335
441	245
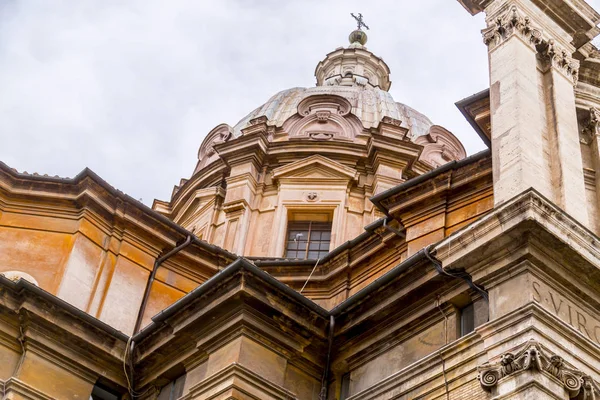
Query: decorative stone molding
592	128
391	121
533	357
512	22
560	59
220	134
515	22
258	120
323	117
318	103
312	196
594	122
440	146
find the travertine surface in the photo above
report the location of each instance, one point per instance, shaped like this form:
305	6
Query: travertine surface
480	281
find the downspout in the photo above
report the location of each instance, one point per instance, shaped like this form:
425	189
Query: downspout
465	276
128	358
151	278
324	382
398	233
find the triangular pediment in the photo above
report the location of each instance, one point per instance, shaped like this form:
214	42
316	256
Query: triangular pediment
315	168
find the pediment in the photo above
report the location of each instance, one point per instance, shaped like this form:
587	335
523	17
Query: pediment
315	168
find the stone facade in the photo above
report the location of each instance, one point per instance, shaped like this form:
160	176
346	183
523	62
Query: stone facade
333	244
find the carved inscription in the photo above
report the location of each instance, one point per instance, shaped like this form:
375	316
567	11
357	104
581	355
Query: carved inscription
567	311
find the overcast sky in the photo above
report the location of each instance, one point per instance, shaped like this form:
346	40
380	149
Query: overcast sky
129	88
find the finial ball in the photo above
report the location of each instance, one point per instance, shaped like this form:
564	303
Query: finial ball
358	36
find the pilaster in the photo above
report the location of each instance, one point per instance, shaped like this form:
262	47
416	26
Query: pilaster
535	140
591	132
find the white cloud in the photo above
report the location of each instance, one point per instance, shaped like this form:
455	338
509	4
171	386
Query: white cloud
130	88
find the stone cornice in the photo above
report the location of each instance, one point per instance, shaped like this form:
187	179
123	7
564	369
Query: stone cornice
236	378
241	300
532	356
349	173
530	206
110	209
57	331
14	386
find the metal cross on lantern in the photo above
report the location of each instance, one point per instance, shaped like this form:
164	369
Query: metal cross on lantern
359	21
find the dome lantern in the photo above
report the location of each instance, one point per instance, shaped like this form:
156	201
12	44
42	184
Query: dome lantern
354	65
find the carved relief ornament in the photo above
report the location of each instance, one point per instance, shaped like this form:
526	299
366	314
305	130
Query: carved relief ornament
515	22
312	196
323	117
220	134
512	22
391	121
533	357
560	59
592	128
594	123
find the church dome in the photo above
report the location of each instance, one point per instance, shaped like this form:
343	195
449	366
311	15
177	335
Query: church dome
369	104
355	74
349	103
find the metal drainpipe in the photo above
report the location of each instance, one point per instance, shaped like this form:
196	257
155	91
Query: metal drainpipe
438	266
157	263
392	229
324	383
456	274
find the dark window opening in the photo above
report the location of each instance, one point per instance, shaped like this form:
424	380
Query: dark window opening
467	319
308	239
100	392
345	389
173	390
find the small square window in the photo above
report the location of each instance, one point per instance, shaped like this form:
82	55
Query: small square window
308	239
173	390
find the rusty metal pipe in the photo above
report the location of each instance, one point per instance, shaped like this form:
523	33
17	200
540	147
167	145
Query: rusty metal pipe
151	278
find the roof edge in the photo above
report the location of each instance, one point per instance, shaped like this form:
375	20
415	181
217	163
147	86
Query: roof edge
422	178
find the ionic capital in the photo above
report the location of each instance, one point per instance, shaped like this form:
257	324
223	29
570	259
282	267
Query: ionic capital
533	357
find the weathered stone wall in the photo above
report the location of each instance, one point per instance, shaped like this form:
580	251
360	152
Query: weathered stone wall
95	254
